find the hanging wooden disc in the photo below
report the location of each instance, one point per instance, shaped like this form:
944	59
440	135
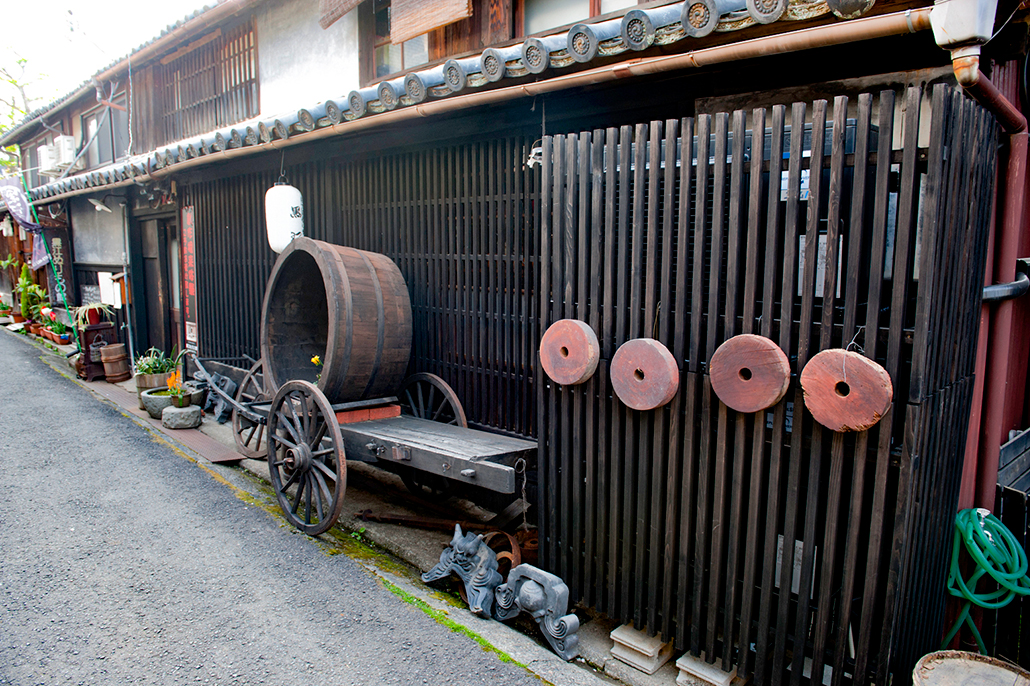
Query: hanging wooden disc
749	373
569	352
644	374
846	391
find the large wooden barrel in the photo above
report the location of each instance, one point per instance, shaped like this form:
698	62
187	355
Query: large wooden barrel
349	307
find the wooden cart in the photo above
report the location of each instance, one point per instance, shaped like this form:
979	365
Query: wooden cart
417	428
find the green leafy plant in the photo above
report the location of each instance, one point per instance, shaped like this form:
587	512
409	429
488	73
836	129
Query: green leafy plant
24	281
154	361
32	296
81	313
4	264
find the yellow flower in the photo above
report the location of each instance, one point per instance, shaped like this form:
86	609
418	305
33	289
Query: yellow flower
317	361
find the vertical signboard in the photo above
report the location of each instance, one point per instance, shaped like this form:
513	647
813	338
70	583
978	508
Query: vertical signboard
189	278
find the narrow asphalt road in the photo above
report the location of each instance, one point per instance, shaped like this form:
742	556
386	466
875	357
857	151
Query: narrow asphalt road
122	562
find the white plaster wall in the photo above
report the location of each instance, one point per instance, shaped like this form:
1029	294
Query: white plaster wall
299	62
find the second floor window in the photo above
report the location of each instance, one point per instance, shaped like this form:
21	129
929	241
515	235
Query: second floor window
208	84
108	127
389	57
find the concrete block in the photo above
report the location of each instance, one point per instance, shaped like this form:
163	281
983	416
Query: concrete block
694	671
181	417
638	650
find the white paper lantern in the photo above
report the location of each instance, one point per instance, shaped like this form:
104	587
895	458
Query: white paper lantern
284	215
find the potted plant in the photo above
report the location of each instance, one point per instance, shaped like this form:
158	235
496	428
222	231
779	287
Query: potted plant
153	369
5	309
90	313
181	395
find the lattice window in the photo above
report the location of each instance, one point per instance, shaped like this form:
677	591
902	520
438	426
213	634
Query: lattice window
208	84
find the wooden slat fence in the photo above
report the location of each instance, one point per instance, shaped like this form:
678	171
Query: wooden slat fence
459	221
691	520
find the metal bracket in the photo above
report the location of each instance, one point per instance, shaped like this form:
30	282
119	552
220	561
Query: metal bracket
546	598
1011	290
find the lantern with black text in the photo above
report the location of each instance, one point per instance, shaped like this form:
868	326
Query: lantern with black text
284	215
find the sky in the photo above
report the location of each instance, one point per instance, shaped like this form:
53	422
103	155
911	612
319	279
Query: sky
67	41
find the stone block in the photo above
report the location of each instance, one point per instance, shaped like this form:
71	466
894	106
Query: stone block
638	650
181	417
694	671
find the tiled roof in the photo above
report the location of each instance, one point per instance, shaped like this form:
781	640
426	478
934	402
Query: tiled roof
637	30
87	85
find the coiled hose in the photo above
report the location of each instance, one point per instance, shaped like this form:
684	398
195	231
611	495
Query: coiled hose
998	555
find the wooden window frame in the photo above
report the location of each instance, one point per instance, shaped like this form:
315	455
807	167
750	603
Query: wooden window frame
493	23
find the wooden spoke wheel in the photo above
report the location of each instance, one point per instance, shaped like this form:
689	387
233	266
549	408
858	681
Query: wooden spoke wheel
250	436
306	461
427	396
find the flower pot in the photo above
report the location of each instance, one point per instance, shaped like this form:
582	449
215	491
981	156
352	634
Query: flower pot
35	329
64	338
18	319
147	381
93	317
155	404
181	400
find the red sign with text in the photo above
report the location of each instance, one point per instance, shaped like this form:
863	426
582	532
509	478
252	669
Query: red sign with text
189	278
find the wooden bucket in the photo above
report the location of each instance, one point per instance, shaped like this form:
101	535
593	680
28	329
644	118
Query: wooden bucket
347	306
959	668
116	363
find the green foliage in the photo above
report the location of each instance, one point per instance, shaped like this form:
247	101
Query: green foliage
154	361
81	314
32	296
4	264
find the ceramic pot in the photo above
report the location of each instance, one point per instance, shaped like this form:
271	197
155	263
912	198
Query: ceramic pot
182	401
156	404
18	319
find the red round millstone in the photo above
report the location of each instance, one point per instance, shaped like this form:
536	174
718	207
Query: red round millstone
845	391
644	374
569	352
749	373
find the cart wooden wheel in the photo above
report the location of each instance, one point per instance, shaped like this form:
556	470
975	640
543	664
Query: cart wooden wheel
250	436
306	461
427	396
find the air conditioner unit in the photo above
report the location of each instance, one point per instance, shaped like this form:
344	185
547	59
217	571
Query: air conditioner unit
46	155
65	146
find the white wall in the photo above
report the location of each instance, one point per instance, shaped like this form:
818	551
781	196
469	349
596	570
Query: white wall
299	62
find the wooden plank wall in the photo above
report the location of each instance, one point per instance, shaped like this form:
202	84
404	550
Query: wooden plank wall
675	519
459	221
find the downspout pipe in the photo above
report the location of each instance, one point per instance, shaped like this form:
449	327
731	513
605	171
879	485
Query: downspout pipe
966	65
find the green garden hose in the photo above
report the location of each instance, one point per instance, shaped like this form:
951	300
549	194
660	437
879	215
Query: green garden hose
997	554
